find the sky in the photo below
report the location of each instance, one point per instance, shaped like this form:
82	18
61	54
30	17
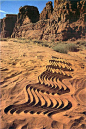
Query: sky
12	7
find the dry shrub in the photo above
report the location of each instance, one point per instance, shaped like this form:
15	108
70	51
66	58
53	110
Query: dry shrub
64	47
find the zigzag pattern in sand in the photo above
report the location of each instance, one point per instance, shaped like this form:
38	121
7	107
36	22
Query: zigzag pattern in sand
41	97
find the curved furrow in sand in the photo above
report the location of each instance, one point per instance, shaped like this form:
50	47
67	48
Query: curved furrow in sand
51	83
57	84
48	100
54	101
37	100
50	89
59	67
49	103
40	80
48	80
41	98
63	106
68	105
61	60
34	105
31	101
51	75
31	96
43	81
64	86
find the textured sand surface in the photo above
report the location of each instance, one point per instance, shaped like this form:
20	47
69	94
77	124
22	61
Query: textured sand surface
40	88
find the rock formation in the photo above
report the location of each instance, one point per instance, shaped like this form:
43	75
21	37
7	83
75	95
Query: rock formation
8	25
47	11
66	21
30	13
1	21
27	14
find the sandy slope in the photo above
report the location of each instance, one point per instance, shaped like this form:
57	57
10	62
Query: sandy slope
25	86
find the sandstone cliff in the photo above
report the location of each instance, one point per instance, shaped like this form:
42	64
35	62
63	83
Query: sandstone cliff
29	13
8	24
66	21
1	21
47	11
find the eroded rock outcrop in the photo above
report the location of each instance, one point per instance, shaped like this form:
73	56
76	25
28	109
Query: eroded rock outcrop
68	20
47	11
8	24
1	21
65	21
28	14
27	17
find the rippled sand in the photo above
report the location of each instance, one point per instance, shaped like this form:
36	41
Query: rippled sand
40	88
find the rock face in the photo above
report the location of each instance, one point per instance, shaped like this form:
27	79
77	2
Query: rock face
69	20
66	21
47	11
8	24
27	14
30	13
1	21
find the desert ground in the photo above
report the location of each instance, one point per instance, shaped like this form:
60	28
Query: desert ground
41	88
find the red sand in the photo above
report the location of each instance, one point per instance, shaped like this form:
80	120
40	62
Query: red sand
21	64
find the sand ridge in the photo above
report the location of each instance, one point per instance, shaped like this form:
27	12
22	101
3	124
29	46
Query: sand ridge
41	88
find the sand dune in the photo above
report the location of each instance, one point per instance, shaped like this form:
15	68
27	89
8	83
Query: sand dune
40	88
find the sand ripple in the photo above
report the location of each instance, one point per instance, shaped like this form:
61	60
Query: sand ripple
41	89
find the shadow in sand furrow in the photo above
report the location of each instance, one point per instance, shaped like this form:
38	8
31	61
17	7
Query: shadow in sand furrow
38	110
49	89
48	100
50	75
40	97
61	109
45	110
59	60
68	106
34	106
43	102
8	108
53	80
58	66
